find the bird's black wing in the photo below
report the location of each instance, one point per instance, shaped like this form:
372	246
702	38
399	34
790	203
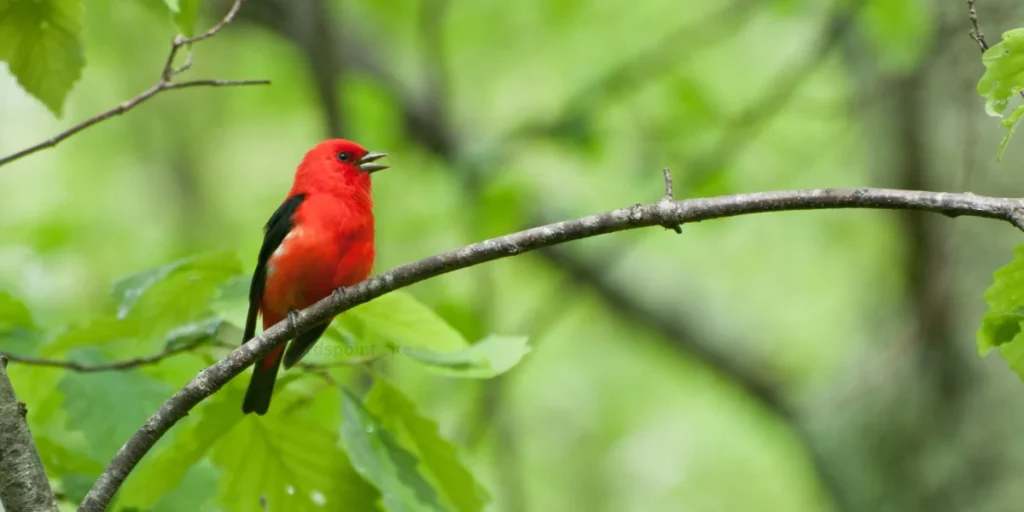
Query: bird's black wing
277	228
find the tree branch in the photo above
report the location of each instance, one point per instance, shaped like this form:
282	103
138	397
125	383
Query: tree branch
214	377
165	83
103	367
23	482
975	29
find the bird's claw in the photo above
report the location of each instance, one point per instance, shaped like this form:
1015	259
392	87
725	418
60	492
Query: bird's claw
338	295
293	318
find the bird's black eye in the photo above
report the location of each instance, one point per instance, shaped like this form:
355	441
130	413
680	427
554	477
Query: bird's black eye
344	156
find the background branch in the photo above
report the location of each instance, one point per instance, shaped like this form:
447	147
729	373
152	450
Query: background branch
214	377
23	482
165	83
103	367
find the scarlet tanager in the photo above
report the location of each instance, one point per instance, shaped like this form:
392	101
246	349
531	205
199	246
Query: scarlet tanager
318	240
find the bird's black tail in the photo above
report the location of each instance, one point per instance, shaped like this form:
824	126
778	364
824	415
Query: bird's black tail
261	386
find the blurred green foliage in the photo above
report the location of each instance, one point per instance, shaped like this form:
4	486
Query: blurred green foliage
556	108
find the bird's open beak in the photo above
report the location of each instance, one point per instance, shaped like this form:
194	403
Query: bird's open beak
367	165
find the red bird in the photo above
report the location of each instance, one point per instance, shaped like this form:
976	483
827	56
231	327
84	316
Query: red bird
318	240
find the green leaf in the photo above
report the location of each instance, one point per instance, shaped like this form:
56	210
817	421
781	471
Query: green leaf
397	413
98	331
1013	354
18	332
40	42
1003	80
197	488
185	17
195	332
108	407
183	13
491	357
1010	123
290	456
1002	325
161	473
209	268
378	457
401	319
14	315
1005	298
76	470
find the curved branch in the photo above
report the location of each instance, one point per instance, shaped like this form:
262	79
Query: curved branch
23	482
126	364
214	377
165	83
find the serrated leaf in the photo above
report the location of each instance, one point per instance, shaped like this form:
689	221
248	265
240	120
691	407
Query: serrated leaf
491	357
1004	65
397	413
290	456
401	319
108	407
40	41
1002	325
1003	80
1005	297
377	456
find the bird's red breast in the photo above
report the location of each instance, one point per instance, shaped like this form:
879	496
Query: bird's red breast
330	245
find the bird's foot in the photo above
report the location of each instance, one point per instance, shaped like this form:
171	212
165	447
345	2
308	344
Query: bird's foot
338	295
293	318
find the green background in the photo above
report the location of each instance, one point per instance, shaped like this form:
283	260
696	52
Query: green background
797	361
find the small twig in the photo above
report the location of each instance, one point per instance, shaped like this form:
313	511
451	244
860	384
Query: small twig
976	30
165	83
103	367
669	197
23	482
669	194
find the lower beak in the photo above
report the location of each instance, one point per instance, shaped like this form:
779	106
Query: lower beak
367	165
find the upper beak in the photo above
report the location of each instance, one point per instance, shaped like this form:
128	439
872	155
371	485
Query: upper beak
367	165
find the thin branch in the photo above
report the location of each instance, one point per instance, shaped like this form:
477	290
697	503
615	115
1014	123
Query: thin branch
103	367
23	482
214	377
976	30
166	82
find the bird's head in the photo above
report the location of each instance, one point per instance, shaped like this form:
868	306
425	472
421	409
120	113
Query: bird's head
338	164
